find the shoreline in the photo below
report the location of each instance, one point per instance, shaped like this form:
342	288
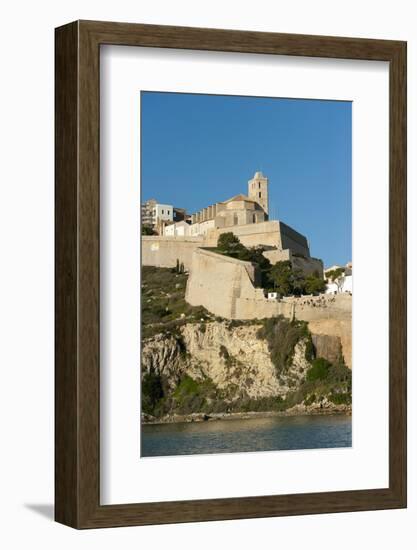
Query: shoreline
297	410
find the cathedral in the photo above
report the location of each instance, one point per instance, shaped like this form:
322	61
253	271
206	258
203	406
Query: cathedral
247	217
238	210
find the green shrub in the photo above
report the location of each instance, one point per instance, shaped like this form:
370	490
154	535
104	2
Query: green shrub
314	284
319	370
229	244
187	386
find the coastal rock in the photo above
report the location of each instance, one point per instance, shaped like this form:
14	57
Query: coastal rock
233	357
339	328
327	346
161	354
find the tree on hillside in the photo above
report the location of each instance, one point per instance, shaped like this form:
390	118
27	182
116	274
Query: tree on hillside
229	244
314	284
280	275
298	282
286	280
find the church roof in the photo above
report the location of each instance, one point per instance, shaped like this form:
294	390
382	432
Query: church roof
239	198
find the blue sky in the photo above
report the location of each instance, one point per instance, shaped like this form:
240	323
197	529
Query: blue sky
201	149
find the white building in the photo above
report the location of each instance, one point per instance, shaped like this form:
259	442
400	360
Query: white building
156	214
202	228
163	212
178	229
342	283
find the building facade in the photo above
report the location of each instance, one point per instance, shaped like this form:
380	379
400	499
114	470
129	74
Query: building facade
177	229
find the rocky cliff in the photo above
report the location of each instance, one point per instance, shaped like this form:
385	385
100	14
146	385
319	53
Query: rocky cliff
222	366
234	358
333	334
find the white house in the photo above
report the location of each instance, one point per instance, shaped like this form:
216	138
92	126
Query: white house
156	215
198	229
164	212
344	285
178	229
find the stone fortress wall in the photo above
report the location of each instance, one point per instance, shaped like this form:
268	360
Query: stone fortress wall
165	251
285	243
270	233
226	287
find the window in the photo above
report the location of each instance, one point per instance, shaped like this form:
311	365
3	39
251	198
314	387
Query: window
259	185
260	194
168	212
254	218
162	211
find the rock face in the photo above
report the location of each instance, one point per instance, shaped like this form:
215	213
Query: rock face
234	358
327	346
341	330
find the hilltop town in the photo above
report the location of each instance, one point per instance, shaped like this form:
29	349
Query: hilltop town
237	315
226	285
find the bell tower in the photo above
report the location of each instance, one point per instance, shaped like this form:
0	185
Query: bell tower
258	190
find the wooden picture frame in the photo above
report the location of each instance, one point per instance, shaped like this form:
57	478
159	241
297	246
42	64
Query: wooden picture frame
77	374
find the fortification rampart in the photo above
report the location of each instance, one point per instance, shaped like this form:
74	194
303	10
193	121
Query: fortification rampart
324	306
225	286
276	255
272	233
165	251
220	284
307	265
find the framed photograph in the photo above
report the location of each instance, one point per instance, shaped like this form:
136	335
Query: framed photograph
230	274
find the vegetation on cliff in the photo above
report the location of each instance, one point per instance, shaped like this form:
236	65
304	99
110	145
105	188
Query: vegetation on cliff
282	335
164	308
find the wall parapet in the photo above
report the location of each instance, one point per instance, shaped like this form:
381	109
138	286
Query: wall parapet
168	238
